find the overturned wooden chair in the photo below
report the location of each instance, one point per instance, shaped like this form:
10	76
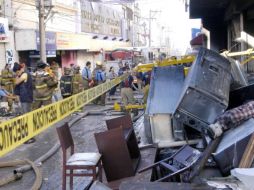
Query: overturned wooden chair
126	124
90	163
119	148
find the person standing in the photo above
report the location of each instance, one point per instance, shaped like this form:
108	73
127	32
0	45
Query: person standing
126	91
44	84
112	75
24	87
87	75
77	81
66	83
54	68
7	83
99	77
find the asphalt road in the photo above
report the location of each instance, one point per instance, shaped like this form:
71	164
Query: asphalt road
82	133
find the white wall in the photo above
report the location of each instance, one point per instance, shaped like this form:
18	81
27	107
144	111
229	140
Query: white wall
83	57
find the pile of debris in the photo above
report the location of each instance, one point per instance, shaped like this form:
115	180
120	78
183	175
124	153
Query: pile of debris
212	105
200	129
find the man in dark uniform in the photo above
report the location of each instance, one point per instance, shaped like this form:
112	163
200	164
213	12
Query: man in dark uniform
66	83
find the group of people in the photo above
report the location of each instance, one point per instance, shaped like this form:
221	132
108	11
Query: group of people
34	90
73	82
31	90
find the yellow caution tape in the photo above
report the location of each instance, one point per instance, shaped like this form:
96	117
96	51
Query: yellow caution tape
18	130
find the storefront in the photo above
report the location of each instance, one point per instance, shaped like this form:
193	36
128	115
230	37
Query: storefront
77	49
71	47
28	46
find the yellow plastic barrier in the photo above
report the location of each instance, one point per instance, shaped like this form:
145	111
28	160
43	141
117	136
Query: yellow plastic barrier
16	131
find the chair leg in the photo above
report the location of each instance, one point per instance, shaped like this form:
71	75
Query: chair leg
94	174
100	171
71	179
64	180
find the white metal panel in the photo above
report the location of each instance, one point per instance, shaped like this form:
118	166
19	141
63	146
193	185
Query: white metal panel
25	40
161	128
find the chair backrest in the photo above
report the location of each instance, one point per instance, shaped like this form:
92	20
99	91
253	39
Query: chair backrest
124	121
115	155
65	137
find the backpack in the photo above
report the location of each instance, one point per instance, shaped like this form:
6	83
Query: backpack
98	76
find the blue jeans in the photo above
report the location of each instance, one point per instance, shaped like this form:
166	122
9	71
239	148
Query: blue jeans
26	107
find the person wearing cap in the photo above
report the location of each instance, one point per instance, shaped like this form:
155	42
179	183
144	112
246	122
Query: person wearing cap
99	77
87	75
23	87
7	82
44	86
66	83
77	81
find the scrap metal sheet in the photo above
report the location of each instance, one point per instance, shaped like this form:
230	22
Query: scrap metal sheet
165	89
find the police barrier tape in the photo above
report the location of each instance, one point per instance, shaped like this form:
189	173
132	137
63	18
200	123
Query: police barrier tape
18	130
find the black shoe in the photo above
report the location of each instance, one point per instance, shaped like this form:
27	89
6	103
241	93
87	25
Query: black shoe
30	141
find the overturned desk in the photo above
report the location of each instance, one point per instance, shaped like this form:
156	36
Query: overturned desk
121	156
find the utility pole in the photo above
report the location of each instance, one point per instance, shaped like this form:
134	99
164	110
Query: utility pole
150	24
42	31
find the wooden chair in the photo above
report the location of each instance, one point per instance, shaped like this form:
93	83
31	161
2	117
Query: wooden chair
89	162
116	159
126	123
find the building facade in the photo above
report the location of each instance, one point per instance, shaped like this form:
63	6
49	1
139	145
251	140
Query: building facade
76	31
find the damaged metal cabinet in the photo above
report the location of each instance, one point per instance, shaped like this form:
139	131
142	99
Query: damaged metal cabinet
165	89
232	146
238	75
206	91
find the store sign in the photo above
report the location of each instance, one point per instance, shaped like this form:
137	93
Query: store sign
4	30
9	56
98	19
67	41
50	41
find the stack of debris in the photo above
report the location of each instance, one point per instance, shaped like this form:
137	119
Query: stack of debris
202	125
213	103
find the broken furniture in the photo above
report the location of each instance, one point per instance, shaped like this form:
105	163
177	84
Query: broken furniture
176	165
161	104
238	75
88	163
204	96
116	158
126	123
232	146
119	148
